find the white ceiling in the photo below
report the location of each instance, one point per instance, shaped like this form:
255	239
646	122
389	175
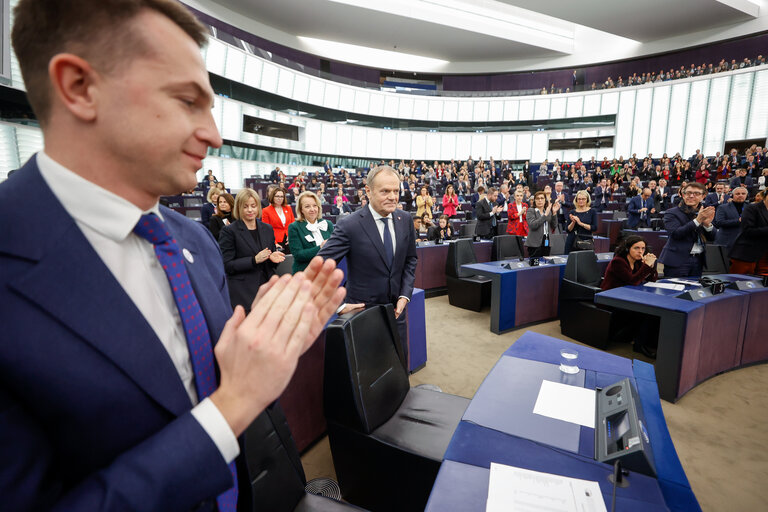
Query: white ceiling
473	36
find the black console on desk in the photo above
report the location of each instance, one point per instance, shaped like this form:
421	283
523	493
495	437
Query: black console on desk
619	429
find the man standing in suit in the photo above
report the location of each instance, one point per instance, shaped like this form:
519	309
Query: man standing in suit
749	254
718	197
639	210
488	214
690	227
110	396
728	218
379	242
561	196
661	198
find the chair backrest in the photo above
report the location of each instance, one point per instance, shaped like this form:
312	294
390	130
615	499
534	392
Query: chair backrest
506	247
582	268
276	475
286	266
193	213
365	378
716	259
619	215
557	243
461	252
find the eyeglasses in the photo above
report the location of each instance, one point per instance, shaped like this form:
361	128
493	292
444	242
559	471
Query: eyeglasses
693	194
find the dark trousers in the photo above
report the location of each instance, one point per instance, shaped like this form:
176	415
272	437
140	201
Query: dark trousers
693	267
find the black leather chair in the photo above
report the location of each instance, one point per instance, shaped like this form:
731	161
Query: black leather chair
506	247
716	259
277	477
465	289
387	439
557	244
468	230
580	318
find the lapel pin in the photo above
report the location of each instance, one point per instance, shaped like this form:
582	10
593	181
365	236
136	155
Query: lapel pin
188	255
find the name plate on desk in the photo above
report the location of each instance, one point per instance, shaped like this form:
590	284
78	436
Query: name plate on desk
696	294
511	265
746	285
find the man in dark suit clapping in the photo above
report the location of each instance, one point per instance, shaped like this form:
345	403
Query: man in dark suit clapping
379	242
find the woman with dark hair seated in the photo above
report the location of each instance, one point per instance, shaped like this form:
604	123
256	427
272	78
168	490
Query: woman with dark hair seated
442	231
223	216
630	264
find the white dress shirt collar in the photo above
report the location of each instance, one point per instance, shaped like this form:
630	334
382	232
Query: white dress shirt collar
89	204
376	215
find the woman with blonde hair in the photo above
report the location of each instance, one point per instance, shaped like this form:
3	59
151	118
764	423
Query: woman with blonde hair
248	250
582	222
309	232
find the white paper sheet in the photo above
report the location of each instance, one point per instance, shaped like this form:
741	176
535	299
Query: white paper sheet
512	489
567	403
668	286
686	282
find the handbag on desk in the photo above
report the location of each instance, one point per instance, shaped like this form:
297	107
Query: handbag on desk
584	244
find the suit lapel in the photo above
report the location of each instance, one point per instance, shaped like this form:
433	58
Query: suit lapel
371	230
71	283
245	234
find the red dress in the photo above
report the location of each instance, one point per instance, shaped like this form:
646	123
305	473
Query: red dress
516	222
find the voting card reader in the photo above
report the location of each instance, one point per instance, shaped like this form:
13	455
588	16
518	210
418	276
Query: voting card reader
620	431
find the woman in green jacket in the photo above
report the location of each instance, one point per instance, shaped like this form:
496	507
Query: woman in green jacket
309	232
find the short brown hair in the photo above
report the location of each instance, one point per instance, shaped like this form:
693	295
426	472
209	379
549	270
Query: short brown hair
230	201
271	196
244	195
98	32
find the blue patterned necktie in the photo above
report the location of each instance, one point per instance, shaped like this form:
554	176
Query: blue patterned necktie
388	251
153	230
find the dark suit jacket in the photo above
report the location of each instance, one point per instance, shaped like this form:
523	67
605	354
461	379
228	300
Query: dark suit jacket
752	241
736	182
683	233
93	413
369	279
633	210
206	212
238	249
728	224
483	209
712	200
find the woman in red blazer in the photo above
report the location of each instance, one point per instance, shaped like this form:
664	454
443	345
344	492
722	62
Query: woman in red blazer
516	221
450	201
278	215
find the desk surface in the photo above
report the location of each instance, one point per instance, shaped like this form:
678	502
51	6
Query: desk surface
697	339
480	439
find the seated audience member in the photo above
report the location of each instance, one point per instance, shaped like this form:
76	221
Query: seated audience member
450	201
223	215
728	218
741	179
749	254
221	187
442	231
359	196
421	231
309	232
639	210
542	222
424	202
248	250
689	226
278	215
630	265
488	214
209	207
516	212
582	221
340	207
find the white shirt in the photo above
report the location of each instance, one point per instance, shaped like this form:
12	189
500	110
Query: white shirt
280	213
380	226
107	221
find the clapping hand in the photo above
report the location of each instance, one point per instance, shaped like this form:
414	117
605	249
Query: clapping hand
263	255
